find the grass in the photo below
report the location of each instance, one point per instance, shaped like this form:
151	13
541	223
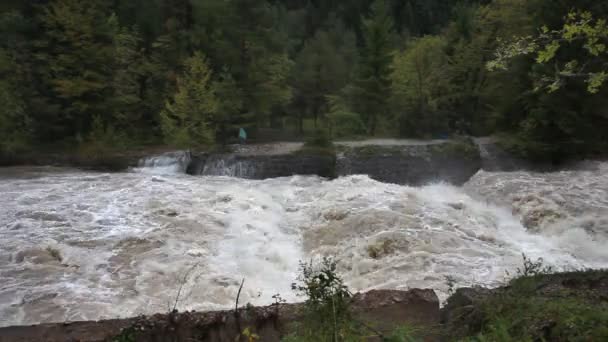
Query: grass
539	306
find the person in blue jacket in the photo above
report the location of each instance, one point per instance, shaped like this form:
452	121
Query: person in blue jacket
242	135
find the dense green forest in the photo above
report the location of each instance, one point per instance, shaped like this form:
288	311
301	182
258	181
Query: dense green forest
105	74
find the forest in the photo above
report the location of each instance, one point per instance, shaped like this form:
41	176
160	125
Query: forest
103	75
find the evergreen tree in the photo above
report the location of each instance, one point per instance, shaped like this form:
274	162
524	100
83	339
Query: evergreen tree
14	121
322	68
75	61
372	88
230	114
128	74
189	118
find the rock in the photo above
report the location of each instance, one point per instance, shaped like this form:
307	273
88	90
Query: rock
414	164
380	249
167	212
387	309
335	215
457	206
38	256
460	315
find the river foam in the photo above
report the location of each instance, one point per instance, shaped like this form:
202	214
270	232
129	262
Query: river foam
126	241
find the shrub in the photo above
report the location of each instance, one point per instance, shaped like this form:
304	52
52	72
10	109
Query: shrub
327	315
319	139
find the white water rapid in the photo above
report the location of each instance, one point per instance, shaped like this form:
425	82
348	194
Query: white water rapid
80	245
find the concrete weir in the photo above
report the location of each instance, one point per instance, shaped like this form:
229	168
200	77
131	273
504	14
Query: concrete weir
404	162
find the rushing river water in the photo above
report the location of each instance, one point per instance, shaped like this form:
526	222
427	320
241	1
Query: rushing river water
80	245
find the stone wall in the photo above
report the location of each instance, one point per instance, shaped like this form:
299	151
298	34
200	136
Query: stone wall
495	158
394	161
453	162
261	166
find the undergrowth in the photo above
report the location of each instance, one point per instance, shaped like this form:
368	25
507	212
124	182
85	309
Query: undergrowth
537	306
327	315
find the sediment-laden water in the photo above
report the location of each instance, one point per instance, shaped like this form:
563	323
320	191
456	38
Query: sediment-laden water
79	245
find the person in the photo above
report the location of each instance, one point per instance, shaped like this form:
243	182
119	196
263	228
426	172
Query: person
242	135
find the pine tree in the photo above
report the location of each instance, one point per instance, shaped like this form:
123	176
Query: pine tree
128	73
247	38
75	60
372	88
13	118
322	68
189	119
230	115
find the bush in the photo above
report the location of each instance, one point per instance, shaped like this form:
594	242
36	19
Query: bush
539	305
319	139
347	125
102	140
327	314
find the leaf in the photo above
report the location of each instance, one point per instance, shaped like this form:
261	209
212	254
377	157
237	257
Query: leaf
595	81
548	53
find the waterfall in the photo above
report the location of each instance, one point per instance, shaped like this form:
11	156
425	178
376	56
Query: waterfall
495	158
170	162
227	165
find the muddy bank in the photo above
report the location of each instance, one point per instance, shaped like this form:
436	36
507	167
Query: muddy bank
383	310
549	307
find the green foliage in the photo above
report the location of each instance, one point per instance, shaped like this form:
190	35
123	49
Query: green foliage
403	334
533	268
416	68
581	31
322	68
373	83
76	56
526	317
420	87
13	118
129	64
320	139
126	335
539	306
189	119
342	122
327	313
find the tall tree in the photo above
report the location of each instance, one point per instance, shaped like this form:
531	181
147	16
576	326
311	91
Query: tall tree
75	58
128	74
373	84
420	87
14	134
189	119
322	68
247	38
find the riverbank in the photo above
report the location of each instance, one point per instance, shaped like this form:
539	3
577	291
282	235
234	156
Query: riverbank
553	307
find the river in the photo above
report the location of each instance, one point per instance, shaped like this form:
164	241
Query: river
82	245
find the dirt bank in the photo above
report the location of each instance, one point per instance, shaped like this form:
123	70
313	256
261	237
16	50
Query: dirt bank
383	310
